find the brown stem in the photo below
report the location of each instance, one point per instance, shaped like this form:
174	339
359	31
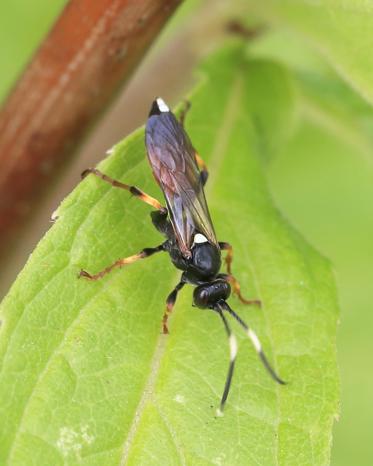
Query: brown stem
91	50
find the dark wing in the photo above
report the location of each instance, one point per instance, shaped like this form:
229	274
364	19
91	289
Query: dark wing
174	165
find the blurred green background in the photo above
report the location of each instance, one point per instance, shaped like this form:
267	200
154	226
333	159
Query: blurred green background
322	180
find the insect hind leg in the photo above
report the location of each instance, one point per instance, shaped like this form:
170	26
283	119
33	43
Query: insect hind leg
184	111
132	189
200	162
203	169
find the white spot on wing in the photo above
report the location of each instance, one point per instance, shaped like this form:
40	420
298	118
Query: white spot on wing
199	238
162	106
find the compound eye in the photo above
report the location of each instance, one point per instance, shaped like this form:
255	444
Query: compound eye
201	297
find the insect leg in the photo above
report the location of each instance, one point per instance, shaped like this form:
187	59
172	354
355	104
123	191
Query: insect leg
236	287
170	303
132	189
256	343
184	111
203	168
201	164
224	246
121	262
233	353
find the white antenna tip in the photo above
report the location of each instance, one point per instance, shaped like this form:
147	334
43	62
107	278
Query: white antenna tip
219	413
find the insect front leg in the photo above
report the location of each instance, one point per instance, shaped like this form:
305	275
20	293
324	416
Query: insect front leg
132	189
121	262
236	288
170	303
235	284
229	257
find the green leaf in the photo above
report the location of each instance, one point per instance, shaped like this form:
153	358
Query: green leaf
86	376
312	182
321	96
340	30
274	116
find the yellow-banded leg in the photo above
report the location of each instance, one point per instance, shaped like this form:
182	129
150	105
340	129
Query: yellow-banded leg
202	167
236	287
229	257
170	303
132	189
122	262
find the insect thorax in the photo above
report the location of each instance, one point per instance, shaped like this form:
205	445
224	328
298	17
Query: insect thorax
203	265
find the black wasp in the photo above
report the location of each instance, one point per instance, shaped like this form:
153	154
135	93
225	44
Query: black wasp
191	241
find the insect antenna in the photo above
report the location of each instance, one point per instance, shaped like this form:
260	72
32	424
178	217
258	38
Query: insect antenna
255	341
233	347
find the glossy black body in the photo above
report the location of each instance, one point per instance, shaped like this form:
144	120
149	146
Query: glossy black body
201	268
186	225
172	157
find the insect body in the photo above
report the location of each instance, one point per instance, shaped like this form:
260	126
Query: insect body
186	224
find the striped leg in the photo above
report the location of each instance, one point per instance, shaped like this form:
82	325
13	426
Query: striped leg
203	168
229	257
236	288
170	303
233	347
121	262
132	189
